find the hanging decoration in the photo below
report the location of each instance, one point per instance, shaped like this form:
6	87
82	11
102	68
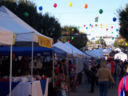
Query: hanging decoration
92	26
114	19
96	25
78	27
111	27
107	29
72	38
66	33
26	14
106	25
40	8
96	19
55	5
81	31
72	29
112	32
117	30
101	11
84	25
70	4
85	6
68	41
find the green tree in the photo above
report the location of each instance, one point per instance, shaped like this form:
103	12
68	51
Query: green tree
123	19
27	11
72	34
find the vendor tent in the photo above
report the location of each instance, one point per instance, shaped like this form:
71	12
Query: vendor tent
63	47
121	56
76	51
23	31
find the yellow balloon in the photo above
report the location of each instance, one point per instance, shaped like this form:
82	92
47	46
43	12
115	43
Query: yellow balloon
70	4
106	25
81	31
72	29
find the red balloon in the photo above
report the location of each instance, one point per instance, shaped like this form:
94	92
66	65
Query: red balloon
107	29
84	25
54	5
111	27
86	6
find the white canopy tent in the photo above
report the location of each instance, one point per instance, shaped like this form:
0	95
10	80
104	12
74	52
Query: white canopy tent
63	47
117	49
121	56
107	51
6	38
23	31
75	50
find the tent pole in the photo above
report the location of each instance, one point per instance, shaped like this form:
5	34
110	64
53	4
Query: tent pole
32	66
53	67
32	61
10	84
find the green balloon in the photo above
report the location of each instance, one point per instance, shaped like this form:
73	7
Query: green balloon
112	32
101	11
26	14
72	38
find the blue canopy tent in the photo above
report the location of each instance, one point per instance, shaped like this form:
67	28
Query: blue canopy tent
25	51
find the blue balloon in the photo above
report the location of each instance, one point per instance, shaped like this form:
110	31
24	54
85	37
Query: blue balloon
117	29
90	24
114	19
86	27
40	8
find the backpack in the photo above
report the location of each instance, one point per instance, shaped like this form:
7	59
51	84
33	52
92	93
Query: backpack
123	89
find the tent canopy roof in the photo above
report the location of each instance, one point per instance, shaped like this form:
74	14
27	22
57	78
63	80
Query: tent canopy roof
24	32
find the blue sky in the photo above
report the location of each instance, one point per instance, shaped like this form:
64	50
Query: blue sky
77	15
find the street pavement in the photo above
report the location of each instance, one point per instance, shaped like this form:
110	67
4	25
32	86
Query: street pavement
83	90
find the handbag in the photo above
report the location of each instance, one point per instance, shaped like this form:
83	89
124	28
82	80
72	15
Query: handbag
123	89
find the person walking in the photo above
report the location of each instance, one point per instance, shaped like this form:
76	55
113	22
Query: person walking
104	75
123	84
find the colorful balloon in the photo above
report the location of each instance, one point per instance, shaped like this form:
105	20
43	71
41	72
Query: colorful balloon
114	19
26	14
106	25
111	27
70	4
101	11
72	38
86	6
112	32
117	29
92	26
107	29
72	29
54	5
40	8
84	25
96	25
96	19
68	41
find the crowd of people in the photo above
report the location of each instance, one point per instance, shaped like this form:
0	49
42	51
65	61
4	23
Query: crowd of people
106	74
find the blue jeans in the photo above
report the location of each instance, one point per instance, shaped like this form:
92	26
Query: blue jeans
103	88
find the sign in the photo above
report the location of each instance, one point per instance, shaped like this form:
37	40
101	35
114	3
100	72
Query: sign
45	42
14	39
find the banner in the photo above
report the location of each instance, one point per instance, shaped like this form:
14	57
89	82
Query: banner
45	42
